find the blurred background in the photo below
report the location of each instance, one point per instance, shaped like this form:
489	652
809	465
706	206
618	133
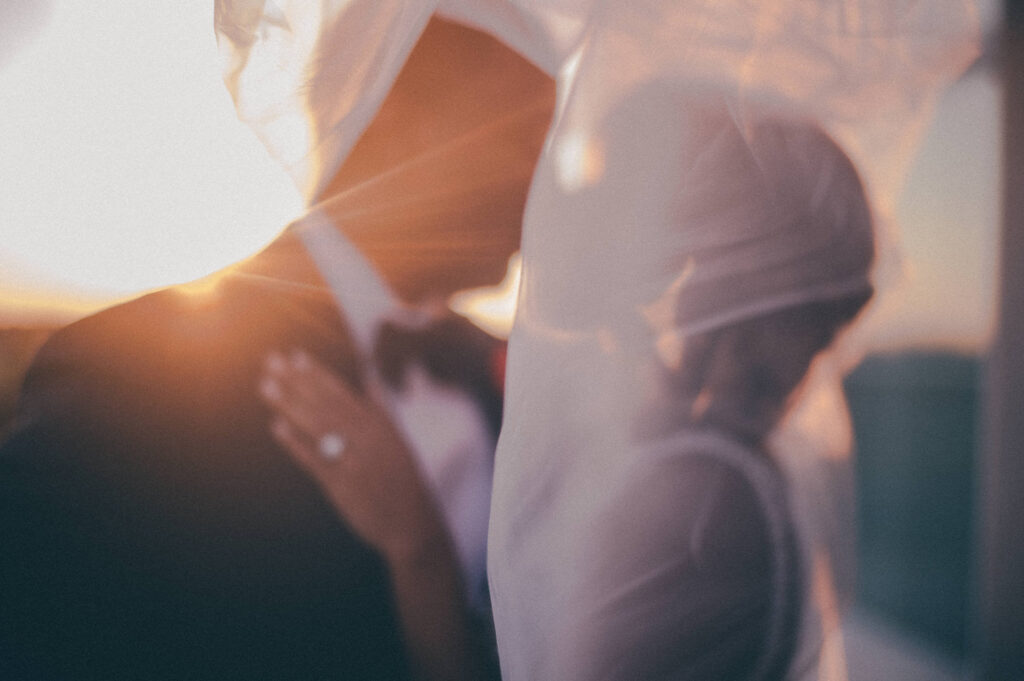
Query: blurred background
123	167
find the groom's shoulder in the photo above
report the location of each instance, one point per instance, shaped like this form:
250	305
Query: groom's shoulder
136	332
183	338
228	310
271	298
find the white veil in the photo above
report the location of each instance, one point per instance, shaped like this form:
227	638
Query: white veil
599	255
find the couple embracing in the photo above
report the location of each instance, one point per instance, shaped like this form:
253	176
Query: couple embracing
287	472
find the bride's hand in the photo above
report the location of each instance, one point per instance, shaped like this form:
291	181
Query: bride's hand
357	455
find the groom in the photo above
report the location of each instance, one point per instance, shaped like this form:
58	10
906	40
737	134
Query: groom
149	526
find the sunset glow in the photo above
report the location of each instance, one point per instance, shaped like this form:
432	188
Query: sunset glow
125	169
493	308
124	166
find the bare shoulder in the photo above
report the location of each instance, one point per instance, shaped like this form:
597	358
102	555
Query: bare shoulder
702	507
684	587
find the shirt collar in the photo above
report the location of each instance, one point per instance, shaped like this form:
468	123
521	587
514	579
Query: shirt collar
362	295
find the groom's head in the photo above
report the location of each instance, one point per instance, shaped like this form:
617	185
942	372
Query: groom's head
434	191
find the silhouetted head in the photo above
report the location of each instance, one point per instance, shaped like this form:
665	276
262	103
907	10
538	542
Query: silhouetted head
434	191
781	254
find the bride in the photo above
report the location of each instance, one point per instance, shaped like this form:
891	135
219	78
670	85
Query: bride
683	545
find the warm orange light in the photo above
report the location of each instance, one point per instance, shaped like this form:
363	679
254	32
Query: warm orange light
124	167
494	308
205	290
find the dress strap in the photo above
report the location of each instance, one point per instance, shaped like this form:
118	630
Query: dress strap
770	489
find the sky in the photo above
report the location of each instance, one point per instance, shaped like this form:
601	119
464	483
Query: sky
124	169
948	220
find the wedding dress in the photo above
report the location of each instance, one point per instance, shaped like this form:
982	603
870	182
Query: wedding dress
623	226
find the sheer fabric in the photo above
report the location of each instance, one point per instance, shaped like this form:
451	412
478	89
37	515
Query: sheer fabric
615	229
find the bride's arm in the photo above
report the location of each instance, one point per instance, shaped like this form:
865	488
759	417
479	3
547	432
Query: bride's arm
374	484
429	593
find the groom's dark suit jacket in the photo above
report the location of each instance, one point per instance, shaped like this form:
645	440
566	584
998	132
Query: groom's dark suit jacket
149	526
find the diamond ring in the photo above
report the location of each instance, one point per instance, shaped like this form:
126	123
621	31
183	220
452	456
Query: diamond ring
331	446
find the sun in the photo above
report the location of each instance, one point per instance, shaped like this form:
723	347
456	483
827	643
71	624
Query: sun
124	166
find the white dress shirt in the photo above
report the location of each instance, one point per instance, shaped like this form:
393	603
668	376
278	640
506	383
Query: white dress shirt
445	428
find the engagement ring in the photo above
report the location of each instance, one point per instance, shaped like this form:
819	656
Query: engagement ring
331	446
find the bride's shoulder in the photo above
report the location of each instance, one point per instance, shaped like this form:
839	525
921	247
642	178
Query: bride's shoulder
701	457
705	497
692	539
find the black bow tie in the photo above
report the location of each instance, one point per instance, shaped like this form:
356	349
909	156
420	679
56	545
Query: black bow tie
452	351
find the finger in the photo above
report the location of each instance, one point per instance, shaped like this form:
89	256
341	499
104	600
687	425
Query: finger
331	476
327	382
311	417
307	452
294	384
312	389
306	382
322	382
298	446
